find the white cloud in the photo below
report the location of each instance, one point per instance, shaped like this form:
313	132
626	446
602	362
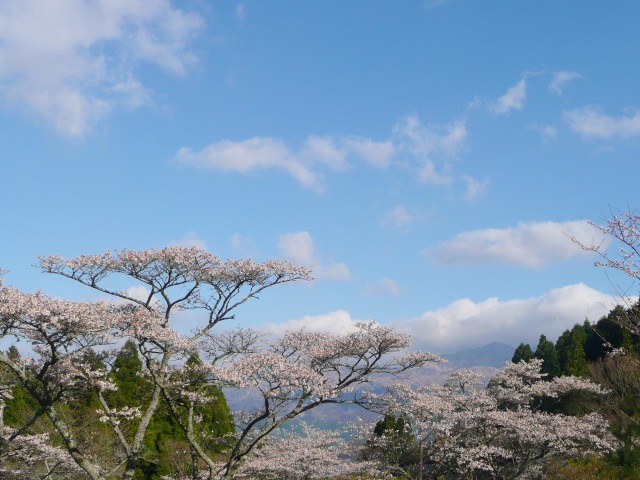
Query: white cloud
433	147
377	154
512	100
139	292
304	165
299	248
560	79
324	150
466	324
527	244
398	218
428	149
590	122
71	60
383	287
133	92
475	189
335	323
256	153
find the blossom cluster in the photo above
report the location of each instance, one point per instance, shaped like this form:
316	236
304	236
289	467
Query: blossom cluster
499	429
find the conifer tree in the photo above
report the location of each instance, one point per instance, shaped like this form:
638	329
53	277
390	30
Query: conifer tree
546	351
570	347
523	353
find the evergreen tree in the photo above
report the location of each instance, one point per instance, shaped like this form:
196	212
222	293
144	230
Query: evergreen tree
611	330
570	347
546	351
523	352
125	373
164	435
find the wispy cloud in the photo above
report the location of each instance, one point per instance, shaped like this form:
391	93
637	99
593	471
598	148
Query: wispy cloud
475	189
512	100
383	287
398	218
306	165
560	79
70	61
432	147
528	244
256	153
590	122
466	324
324	151
377	154
300	248
427	149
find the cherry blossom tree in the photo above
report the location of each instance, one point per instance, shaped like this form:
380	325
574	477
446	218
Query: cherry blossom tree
310	454
497	431
292	375
303	370
33	457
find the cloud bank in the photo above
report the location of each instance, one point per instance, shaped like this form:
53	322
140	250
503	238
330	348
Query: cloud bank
467	324
533	244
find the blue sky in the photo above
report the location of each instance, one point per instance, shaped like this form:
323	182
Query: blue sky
426	158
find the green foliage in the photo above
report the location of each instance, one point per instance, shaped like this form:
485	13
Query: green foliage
587	468
125	373
165	442
546	351
611	332
523	353
166	449
570	348
22	406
